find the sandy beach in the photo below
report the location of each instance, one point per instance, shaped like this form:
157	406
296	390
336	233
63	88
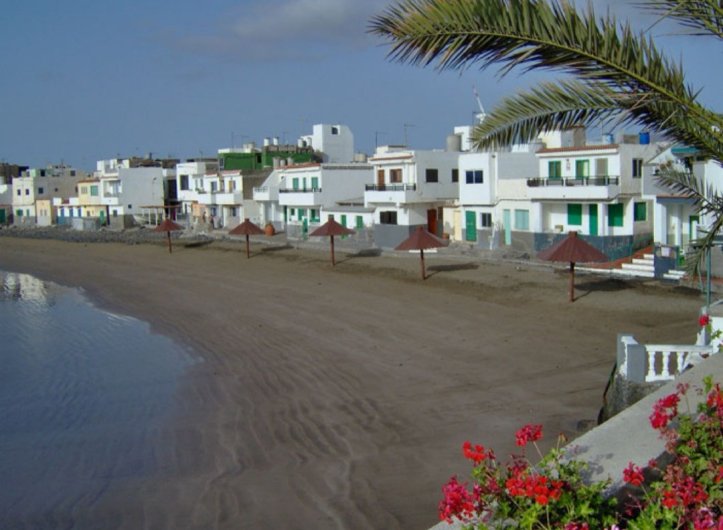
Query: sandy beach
339	397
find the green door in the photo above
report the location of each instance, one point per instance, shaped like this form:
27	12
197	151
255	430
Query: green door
102	218
2	216
304	226
507	221
343	223
582	169
592	229
471	226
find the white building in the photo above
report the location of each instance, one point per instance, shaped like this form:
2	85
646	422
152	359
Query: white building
307	191
594	189
334	142
676	218
411	188
53	182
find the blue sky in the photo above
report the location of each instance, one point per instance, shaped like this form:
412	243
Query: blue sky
88	80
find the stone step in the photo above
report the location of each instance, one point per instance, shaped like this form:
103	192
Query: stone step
633	273
641	261
637	267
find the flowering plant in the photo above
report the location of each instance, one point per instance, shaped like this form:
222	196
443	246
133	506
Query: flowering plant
687	493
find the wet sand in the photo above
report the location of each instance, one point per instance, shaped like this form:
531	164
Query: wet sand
339	397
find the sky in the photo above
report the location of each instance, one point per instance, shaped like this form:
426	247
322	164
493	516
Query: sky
91	80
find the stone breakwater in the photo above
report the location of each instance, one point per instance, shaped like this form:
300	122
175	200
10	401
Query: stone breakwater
131	236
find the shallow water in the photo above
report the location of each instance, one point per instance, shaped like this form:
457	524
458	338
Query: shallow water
83	394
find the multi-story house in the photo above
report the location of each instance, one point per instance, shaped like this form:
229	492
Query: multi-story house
594	189
53	182
329	146
478	218
677	220
411	188
307	191
122	192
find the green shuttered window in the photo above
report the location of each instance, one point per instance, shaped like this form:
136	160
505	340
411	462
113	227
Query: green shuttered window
615	215
574	214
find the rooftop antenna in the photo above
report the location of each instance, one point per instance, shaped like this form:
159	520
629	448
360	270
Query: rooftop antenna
481	115
376	138
406	128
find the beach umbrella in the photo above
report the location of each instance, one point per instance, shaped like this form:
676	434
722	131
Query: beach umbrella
572	249
247	228
419	240
168	226
331	228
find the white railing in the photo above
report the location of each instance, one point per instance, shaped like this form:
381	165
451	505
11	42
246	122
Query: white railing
651	363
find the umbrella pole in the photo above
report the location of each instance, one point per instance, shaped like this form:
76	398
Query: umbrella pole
248	254
170	249
333	261
572	281
421	255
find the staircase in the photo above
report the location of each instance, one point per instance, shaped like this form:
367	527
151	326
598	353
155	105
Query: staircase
641	265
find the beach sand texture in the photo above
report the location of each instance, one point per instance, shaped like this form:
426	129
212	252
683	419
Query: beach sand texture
339	397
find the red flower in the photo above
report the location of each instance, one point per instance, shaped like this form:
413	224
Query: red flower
704	320
528	433
457	501
476	454
664	410
633	475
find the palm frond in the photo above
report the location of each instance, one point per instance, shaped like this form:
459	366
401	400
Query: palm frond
531	34
704	17
549	106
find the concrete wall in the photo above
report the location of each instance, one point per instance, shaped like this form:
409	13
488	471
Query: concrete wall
389	236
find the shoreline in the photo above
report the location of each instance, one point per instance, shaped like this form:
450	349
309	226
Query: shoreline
344	393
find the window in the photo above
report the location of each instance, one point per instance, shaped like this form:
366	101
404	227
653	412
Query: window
574	214
314	183
56	190
380	176
455	175
615	215
335	130
388	218
601	167
295	183
640	212
485	220
474	177
395	175
84	190
184	182
292	212
233	211
20	192
27	191
42	172
431	175
637	168
359	222
80	212
87	213
115	213
314	215
130	206
554	169
72	172
19	213
522	219
40	191
94	191
582	169
214	187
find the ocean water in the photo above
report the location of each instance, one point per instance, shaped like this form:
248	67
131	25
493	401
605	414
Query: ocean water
82	394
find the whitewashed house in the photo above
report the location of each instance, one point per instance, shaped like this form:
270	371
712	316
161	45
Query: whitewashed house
122	192
54	182
478	220
226	198
411	188
190	183
594	189
307	191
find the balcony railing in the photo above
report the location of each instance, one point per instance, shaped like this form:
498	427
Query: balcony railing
390	187
607	180
300	190
261	189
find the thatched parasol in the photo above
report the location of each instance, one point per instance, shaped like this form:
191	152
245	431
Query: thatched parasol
419	240
247	228
572	249
331	228
168	226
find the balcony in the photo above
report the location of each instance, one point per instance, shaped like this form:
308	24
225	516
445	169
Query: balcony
266	193
300	197
389	193
601	187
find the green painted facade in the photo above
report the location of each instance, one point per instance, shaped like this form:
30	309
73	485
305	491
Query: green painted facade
262	160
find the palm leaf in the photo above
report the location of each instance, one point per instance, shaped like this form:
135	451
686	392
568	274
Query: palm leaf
456	34
704	17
